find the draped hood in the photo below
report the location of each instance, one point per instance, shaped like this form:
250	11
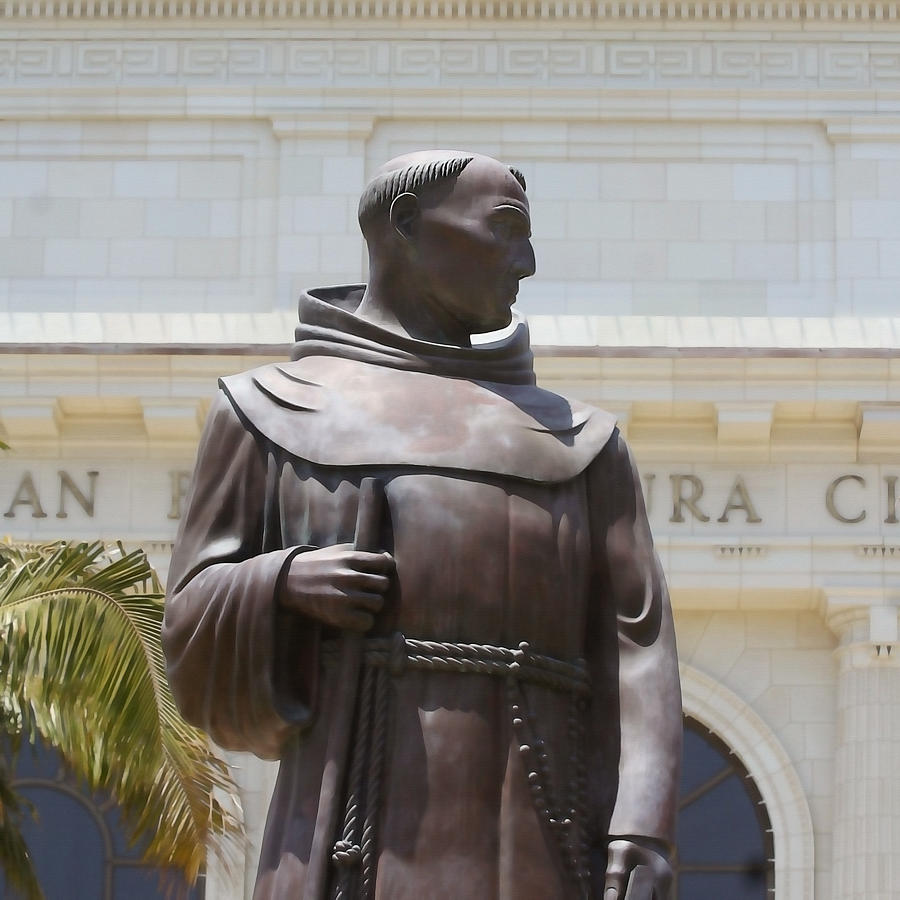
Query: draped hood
357	395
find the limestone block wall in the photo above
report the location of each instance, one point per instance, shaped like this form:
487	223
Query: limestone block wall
136	215
647	217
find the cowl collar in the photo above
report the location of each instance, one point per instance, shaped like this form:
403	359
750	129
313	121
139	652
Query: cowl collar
356	395
329	327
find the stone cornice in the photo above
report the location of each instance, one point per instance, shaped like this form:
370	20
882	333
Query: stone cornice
709	390
270	333
254	12
673	407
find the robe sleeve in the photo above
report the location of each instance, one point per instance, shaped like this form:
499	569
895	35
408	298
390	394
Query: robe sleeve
240	668
639	696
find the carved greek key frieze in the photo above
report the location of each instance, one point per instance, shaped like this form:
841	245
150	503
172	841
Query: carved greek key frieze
558	63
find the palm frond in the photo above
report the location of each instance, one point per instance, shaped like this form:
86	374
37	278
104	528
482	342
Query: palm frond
80	651
15	861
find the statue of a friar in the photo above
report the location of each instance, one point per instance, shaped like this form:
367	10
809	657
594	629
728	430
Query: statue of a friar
428	587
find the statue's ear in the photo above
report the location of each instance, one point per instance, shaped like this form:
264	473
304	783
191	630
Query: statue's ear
405	214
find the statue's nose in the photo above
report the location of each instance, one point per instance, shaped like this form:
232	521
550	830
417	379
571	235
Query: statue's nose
524	264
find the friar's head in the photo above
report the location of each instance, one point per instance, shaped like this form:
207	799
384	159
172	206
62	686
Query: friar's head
449	240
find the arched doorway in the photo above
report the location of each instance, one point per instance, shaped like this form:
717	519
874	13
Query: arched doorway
725	846
78	843
734	722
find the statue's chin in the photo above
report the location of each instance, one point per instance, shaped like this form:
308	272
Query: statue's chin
496	322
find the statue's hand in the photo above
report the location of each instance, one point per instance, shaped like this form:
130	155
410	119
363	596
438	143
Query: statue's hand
338	585
636	872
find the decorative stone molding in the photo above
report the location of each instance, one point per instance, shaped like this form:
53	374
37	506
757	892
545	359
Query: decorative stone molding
879	430
30	419
878	551
172	419
759	750
744	423
740	551
863	128
750	12
512	61
866	624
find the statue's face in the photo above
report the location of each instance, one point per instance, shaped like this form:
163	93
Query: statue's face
474	246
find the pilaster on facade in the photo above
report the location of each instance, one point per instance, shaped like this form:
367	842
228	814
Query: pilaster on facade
866	847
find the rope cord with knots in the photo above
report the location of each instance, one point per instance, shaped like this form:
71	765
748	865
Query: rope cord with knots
354	854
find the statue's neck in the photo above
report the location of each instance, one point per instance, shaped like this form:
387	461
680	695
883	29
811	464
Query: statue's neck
398	304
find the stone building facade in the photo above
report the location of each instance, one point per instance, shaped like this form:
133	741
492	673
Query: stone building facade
715	192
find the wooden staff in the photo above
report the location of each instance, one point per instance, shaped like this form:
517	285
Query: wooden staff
368	521
640	884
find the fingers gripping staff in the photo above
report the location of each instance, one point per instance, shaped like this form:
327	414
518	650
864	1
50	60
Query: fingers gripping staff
636	872
371	503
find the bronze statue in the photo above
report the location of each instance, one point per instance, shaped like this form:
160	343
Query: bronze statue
428	586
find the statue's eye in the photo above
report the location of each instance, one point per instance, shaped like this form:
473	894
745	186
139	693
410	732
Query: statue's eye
510	224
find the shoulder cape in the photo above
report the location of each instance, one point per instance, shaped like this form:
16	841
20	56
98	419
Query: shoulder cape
343	412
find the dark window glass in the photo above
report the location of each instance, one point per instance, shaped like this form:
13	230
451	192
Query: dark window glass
724	846
720	826
66	842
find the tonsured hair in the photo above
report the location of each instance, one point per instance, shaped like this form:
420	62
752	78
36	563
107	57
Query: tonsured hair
381	191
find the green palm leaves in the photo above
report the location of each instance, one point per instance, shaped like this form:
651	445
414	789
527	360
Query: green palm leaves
81	664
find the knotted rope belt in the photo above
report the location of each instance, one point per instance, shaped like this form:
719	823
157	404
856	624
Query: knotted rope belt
355	853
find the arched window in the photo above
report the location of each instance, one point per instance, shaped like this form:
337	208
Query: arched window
79	847
724	845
